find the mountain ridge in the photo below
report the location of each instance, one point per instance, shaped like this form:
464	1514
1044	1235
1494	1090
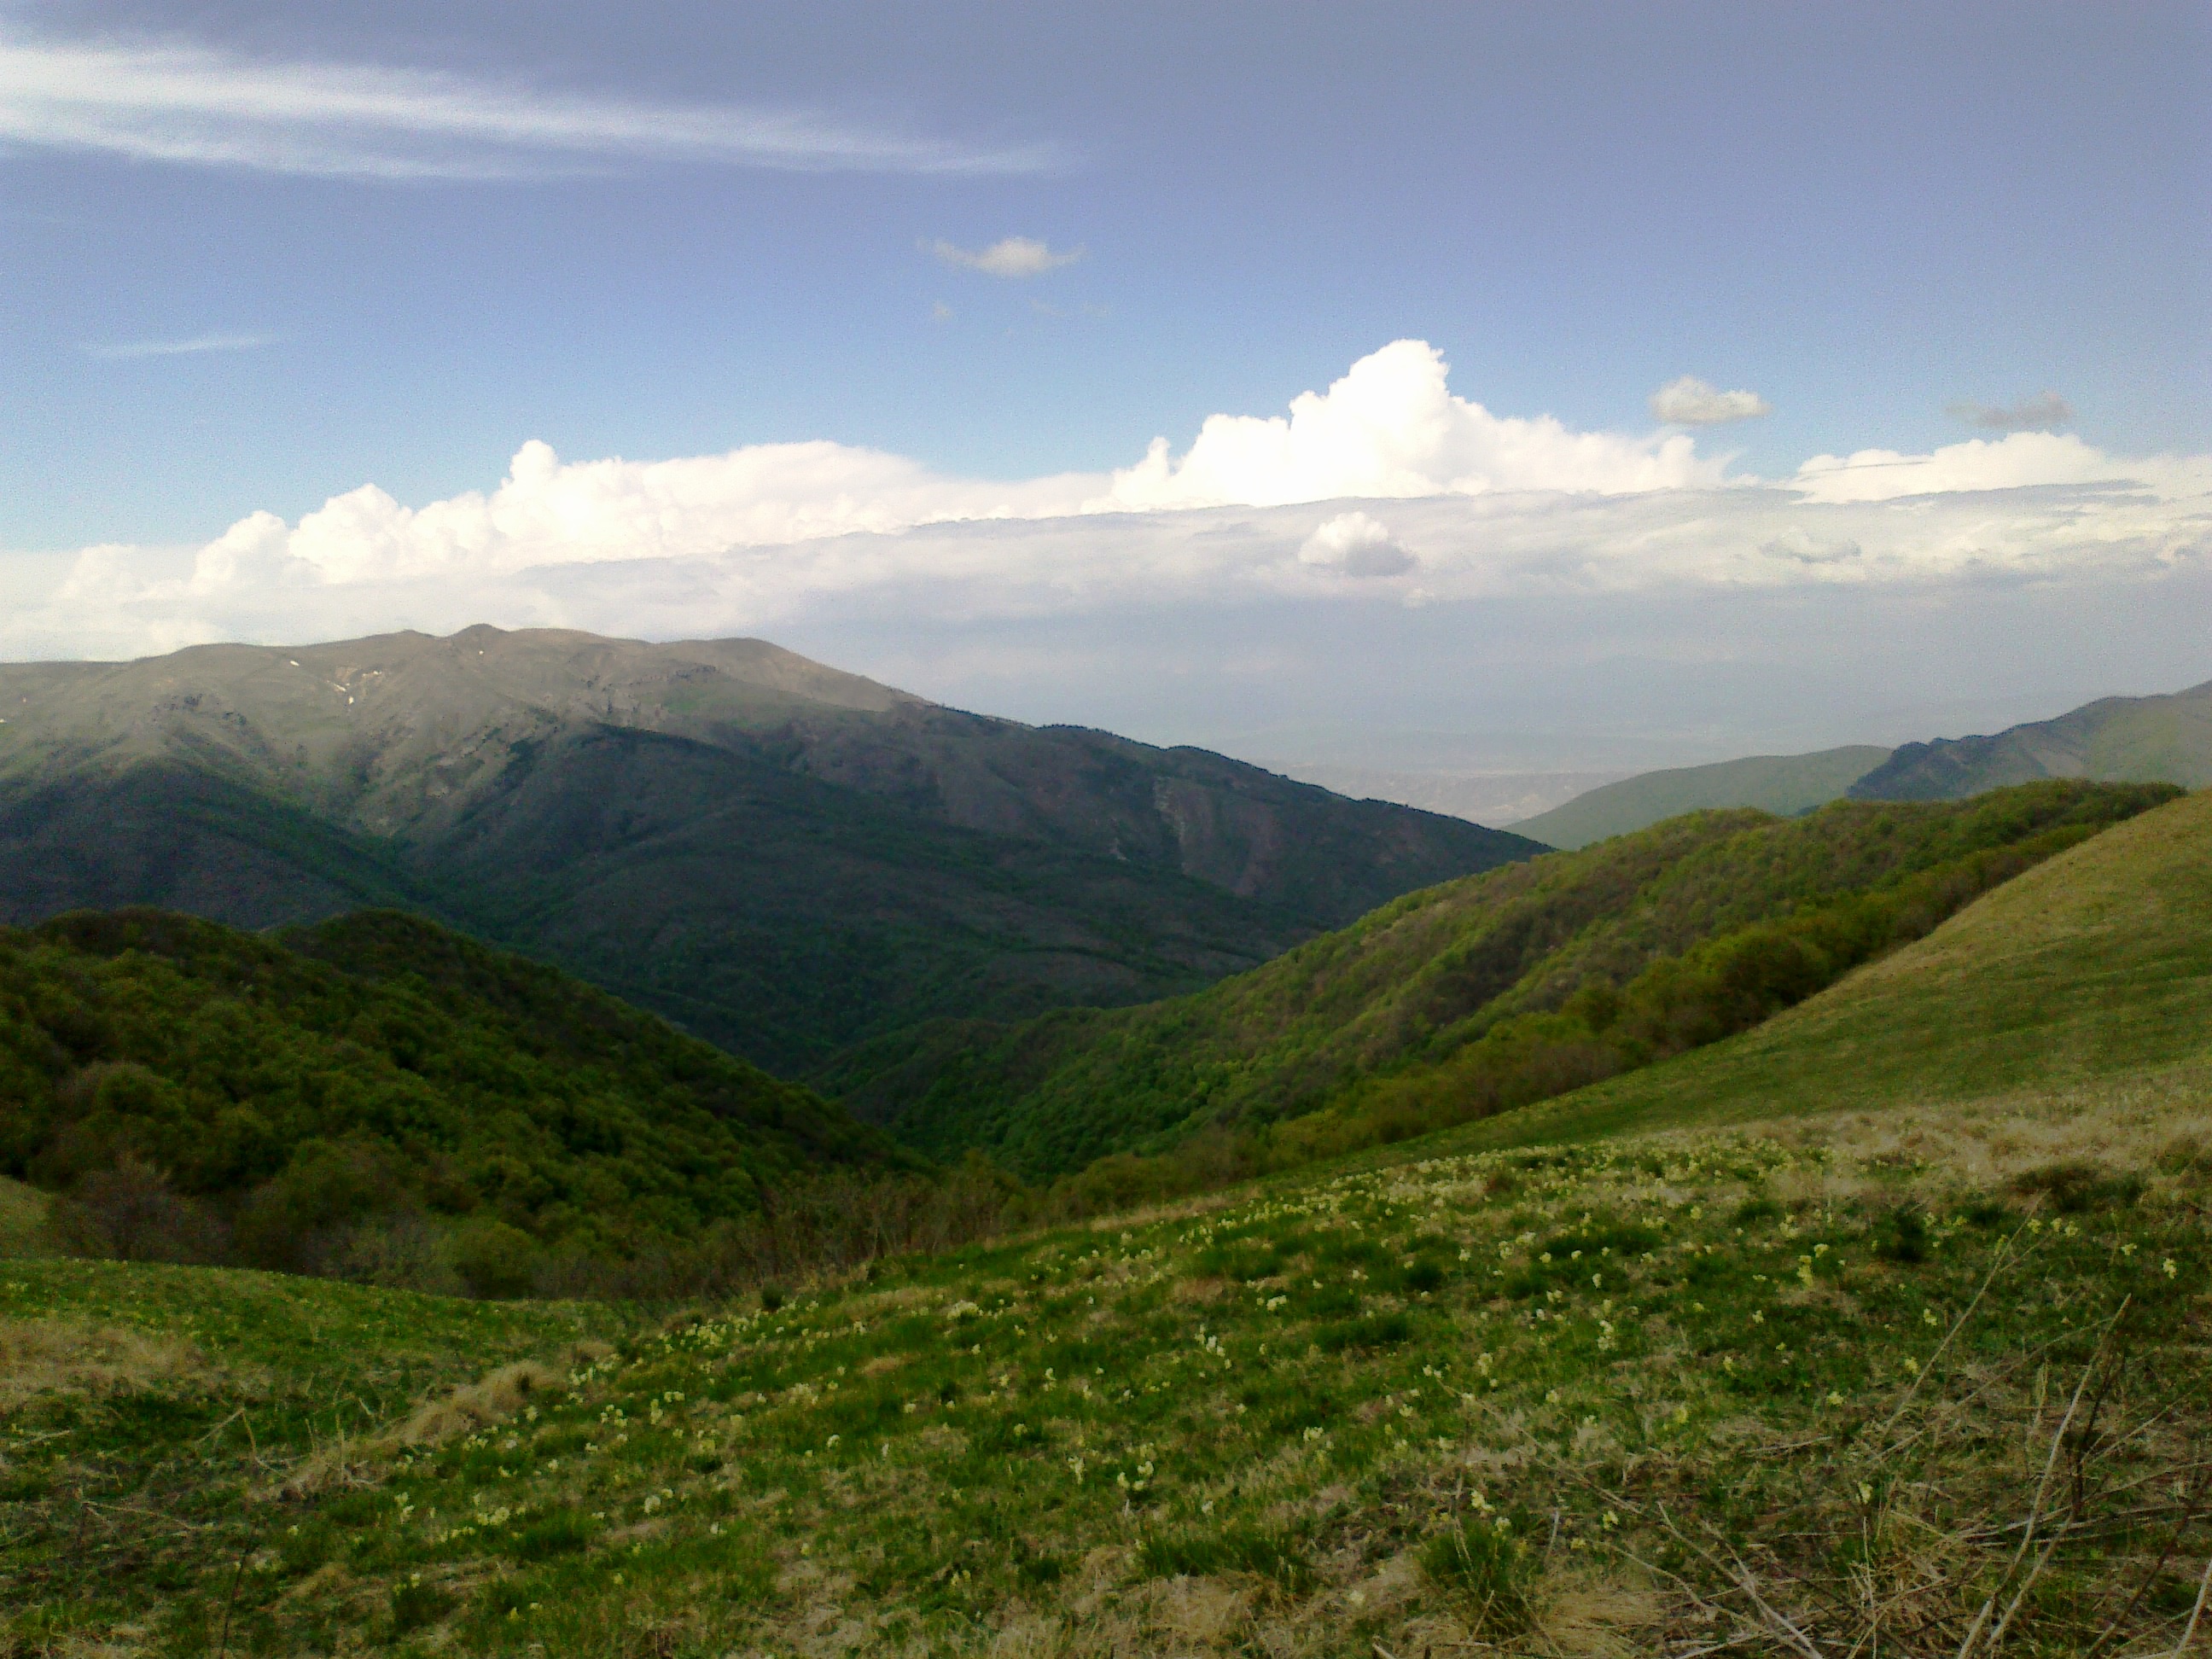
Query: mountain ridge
782	856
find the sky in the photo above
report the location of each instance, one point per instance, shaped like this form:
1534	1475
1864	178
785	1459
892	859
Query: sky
1451	387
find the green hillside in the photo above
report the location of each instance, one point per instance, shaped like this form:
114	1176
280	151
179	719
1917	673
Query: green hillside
2093	968
1782	784
373	1097
783	858
2165	740
1645	1397
1916	1357
1479	995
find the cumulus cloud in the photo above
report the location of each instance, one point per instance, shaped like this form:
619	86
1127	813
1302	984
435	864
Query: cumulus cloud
1392	427
184	102
192	347
1690	401
1013	256
1479	507
1357	545
2037	414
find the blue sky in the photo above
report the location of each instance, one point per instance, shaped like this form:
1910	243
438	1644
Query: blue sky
1873	220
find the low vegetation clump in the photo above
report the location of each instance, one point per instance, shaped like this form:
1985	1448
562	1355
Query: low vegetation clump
1817	1391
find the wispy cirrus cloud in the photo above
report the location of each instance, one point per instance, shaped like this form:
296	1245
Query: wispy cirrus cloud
192	104
123	351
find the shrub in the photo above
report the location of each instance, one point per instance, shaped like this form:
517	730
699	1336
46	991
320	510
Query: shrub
1903	1237
562	1533
492	1258
132	1213
2076	1185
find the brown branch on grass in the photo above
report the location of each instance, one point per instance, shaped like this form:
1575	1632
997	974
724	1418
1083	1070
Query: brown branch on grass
2035	1510
2189	1633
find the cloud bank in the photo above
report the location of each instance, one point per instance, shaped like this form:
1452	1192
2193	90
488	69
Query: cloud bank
1386	486
183	102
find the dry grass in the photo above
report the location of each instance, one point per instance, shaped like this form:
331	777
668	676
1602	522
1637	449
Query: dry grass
348	1462
59	1357
2158	1124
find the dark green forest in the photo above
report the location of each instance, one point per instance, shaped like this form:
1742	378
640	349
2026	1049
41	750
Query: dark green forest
377	1097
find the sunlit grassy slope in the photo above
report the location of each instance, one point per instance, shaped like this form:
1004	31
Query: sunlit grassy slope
2095	965
1557	1401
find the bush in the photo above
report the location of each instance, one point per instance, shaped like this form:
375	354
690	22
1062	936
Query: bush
132	1213
492	1258
1904	1237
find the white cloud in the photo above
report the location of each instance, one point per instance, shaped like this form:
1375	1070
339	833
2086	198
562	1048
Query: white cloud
188	347
1479	507
1690	401
1357	545
2022	460
181	102
2037	414
1014	256
1392	427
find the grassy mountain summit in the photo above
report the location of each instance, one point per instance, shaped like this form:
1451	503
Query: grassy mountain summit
1783	784
1484	994
782	857
2167	740
370	1093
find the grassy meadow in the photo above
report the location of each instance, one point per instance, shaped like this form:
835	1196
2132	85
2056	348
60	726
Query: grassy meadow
1934	1381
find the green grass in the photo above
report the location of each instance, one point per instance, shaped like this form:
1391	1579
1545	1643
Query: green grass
1515	1396
2096	966
1822	1378
22	1219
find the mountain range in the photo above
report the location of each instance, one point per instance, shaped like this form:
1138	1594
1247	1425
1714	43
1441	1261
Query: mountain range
2156	740
783	858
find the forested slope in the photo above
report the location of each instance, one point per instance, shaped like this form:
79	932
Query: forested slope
1486	994
374	1097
